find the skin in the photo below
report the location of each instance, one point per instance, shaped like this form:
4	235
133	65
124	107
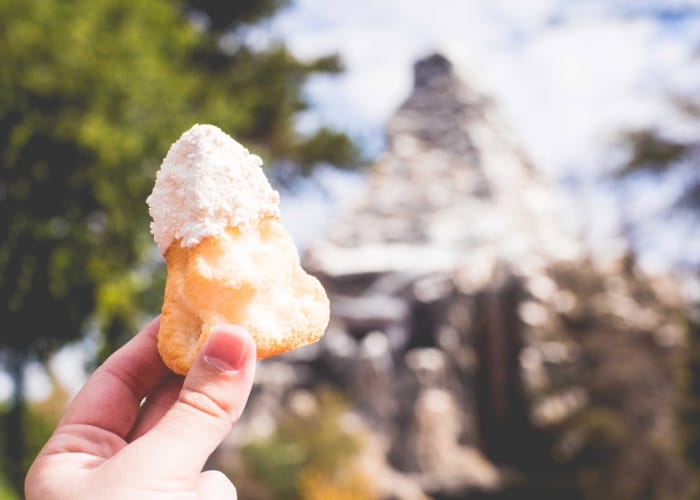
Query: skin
109	444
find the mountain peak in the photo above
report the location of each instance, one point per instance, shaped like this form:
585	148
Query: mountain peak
451	179
431	69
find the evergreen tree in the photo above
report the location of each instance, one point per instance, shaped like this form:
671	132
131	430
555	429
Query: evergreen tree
654	153
92	93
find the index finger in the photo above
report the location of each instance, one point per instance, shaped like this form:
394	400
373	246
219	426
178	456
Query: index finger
111	398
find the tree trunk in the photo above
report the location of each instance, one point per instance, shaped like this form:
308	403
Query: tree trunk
113	338
15	450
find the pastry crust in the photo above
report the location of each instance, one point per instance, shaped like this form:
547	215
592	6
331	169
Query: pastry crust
252	278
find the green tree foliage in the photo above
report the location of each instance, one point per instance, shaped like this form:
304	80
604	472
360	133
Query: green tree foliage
6	491
690	416
227	15
292	461
654	153
92	93
651	151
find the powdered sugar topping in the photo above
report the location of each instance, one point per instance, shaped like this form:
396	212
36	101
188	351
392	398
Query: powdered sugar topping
206	183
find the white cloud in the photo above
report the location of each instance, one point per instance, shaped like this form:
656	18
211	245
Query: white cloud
566	87
313	206
6	386
38	385
526	14
577	86
68	365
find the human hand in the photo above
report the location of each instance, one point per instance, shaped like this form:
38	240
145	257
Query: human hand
110	446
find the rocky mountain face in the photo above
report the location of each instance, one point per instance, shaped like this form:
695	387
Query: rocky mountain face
483	352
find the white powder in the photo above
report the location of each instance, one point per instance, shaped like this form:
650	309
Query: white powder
208	182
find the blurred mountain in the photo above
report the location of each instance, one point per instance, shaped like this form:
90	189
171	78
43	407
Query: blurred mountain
482	352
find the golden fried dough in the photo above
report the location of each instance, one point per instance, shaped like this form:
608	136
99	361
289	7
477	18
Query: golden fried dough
251	278
216	221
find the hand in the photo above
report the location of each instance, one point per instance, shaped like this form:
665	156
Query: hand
110	446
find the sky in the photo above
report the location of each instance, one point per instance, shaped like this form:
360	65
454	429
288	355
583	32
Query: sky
568	76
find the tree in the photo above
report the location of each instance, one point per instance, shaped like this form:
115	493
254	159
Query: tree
91	95
653	153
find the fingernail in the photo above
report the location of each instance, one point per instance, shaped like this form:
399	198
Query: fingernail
226	350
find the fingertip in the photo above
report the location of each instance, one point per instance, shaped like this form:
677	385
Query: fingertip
228	348
151	328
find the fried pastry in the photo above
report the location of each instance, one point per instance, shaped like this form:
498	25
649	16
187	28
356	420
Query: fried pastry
229	259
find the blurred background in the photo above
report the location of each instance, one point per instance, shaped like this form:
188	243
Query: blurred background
501	199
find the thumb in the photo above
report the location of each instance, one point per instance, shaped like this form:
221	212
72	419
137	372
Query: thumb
212	398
